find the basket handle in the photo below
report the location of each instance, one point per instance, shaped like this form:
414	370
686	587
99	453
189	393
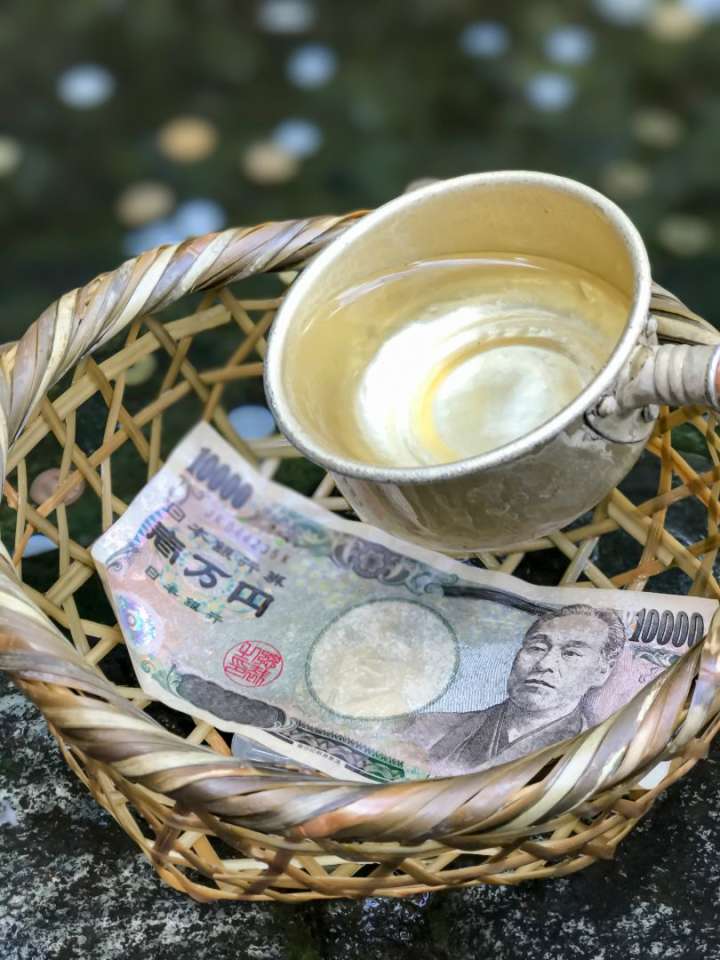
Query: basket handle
81	321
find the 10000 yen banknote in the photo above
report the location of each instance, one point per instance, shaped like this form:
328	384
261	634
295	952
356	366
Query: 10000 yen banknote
347	650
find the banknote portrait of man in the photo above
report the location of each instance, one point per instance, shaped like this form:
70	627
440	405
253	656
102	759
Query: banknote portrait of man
564	655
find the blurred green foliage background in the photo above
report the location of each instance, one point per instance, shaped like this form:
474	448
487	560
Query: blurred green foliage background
125	123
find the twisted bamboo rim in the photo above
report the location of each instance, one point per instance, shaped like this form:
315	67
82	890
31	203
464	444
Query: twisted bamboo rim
672	718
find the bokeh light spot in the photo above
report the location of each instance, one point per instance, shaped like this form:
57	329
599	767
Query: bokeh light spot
569	45
312	65
674	23
141	371
187	139
252	421
484	39
267	163
299	137
144	201
626	13
85	85
685	235
199	215
10	155
39	544
626	180
285	16
707	9
46	483
657	127
550	92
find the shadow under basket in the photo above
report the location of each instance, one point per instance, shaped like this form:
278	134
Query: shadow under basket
211	826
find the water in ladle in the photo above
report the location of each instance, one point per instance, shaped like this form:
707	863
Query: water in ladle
450	358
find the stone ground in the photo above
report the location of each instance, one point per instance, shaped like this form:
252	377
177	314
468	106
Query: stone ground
74	887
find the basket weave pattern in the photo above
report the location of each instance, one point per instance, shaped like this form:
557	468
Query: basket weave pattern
212	827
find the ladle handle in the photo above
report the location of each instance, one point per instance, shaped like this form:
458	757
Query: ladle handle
673	374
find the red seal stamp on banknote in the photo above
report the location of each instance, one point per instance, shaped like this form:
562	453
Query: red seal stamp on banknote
253	663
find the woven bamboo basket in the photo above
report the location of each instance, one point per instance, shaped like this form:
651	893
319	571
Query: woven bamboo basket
211	826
